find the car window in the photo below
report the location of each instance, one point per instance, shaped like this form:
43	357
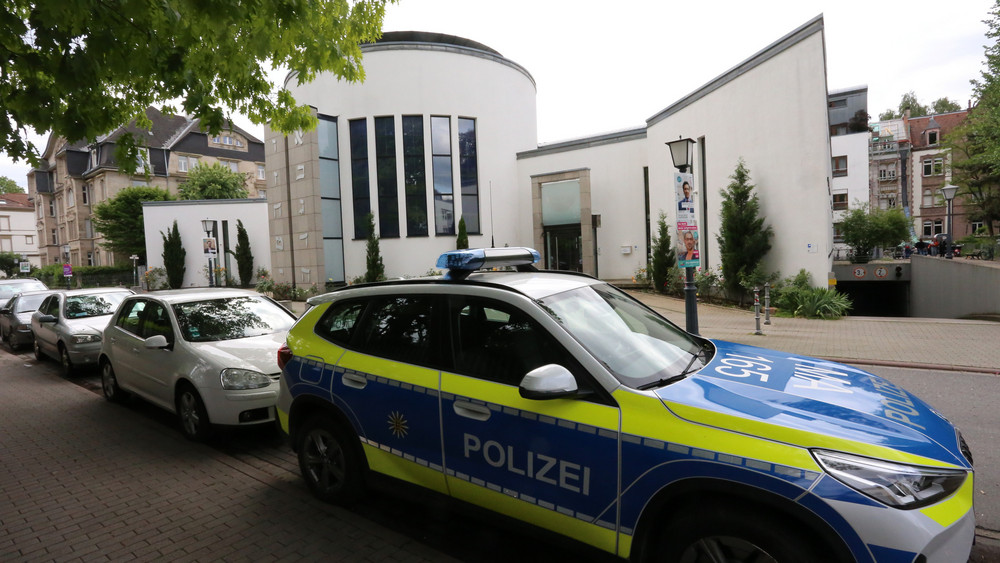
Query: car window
498	342
50	306
230	318
27	303
338	322
156	321
128	318
399	328
634	343
94	305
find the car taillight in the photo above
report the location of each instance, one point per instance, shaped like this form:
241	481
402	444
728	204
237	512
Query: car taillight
284	355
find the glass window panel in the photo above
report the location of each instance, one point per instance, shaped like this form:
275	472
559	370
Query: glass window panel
415	175
327	132
388	191
332	224
329	178
561	203
440	135
361	190
333	259
442	175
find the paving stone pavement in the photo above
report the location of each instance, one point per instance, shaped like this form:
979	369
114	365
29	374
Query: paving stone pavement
77	485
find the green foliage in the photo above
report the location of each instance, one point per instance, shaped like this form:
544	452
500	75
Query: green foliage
865	230
243	255
8	186
213	181
709	284
909	102
663	255
463	236
264	282
119	219
9	264
173	257
375	270
859	122
156	278
743	238
82	70
944	105
86	276
797	297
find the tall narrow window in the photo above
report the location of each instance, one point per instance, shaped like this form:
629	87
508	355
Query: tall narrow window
444	193
85	194
469	174
359	176
330	200
415	175
385	169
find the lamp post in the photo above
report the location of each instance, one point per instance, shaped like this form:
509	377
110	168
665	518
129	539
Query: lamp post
948	192
207	225
680	152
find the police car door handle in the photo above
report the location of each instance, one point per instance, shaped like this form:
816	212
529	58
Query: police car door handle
471	410
355	381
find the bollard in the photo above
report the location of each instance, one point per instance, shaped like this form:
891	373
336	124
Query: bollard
756	309
767	303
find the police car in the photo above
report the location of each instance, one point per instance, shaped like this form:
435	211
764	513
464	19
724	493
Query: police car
557	399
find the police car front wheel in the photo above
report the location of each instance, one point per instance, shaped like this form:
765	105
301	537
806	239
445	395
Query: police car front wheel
328	462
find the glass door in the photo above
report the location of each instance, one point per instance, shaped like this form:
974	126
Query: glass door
562	248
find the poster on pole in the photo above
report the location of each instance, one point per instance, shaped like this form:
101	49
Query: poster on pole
208	243
687	221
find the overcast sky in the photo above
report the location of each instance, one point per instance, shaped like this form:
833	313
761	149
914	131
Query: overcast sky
606	66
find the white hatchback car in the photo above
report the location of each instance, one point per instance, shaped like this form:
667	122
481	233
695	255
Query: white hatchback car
208	355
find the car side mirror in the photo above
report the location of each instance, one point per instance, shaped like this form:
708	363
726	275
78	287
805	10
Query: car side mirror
551	381
4	310
156	341
48	319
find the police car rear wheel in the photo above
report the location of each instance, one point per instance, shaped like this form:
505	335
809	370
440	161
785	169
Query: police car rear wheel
329	465
732	534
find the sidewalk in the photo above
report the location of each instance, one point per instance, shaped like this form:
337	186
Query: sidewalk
948	344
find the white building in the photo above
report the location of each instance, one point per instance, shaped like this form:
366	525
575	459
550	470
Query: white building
159	217
17	228
440	116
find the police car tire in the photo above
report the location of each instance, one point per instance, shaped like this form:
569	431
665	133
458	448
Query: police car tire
720	523
345	483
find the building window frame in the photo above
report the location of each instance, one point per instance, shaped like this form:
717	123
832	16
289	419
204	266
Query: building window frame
360	177
840	201
444	182
385	177
415	175
933	166
839	166
468	168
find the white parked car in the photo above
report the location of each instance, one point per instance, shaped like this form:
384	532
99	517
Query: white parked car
68	325
207	355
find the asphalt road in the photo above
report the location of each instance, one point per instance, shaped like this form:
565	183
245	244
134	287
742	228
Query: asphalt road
469	534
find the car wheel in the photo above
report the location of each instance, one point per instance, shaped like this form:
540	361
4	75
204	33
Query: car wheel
109	384
65	362
38	352
329	461
726	532
192	414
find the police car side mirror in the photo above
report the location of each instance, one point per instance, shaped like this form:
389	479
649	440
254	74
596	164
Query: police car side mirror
550	381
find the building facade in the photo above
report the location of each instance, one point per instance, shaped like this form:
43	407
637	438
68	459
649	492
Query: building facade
440	117
79	175
848	109
930	170
17	228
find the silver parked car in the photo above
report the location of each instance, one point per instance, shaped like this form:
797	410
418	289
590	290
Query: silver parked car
15	318
208	355
9	287
68	324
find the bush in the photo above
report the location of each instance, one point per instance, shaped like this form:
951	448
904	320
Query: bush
797	297
663	257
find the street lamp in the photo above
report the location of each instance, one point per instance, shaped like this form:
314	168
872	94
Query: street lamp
681	152
207	225
948	192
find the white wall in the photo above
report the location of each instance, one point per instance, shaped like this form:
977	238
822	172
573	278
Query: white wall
855	184
22	226
159	218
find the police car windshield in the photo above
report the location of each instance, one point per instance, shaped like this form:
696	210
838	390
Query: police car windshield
638	346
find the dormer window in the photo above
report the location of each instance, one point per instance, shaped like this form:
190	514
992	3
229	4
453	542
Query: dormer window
932	137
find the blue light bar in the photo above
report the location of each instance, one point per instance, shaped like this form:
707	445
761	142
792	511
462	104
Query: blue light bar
478	258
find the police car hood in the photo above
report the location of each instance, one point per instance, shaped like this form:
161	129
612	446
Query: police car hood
812	395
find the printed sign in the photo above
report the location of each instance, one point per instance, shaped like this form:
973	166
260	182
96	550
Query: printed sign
67	270
208	244
687	222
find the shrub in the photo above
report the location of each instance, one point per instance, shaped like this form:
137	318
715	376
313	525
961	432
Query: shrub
663	256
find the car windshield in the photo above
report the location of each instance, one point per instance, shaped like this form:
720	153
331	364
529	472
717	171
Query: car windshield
638	346
230	318
11	288
29	303
94	305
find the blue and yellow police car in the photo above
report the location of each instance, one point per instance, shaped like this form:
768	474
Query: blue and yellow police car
557	399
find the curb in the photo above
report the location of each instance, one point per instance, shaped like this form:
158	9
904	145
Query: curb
911	365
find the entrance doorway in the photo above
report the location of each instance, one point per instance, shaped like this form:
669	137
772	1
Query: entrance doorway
563	248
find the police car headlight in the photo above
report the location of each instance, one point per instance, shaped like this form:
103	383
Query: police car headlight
894	484
235	378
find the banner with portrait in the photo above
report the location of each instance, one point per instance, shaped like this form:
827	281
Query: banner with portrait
687	221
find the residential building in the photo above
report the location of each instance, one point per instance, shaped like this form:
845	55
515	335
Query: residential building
930	170
421	143
17	227
849	135
79	175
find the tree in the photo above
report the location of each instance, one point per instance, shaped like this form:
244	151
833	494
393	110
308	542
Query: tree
944	105
8	186
463	236
9	264
663	255
243	255
743	238
81	77
119	219
375	268
975	144
173	257
213	181
865	230
907	102
858	123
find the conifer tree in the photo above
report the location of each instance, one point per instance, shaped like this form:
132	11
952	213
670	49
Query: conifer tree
375	268
463	235
663	255
243	255
743	238
173	257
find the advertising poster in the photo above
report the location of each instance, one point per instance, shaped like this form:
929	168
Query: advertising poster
209	245
687	222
